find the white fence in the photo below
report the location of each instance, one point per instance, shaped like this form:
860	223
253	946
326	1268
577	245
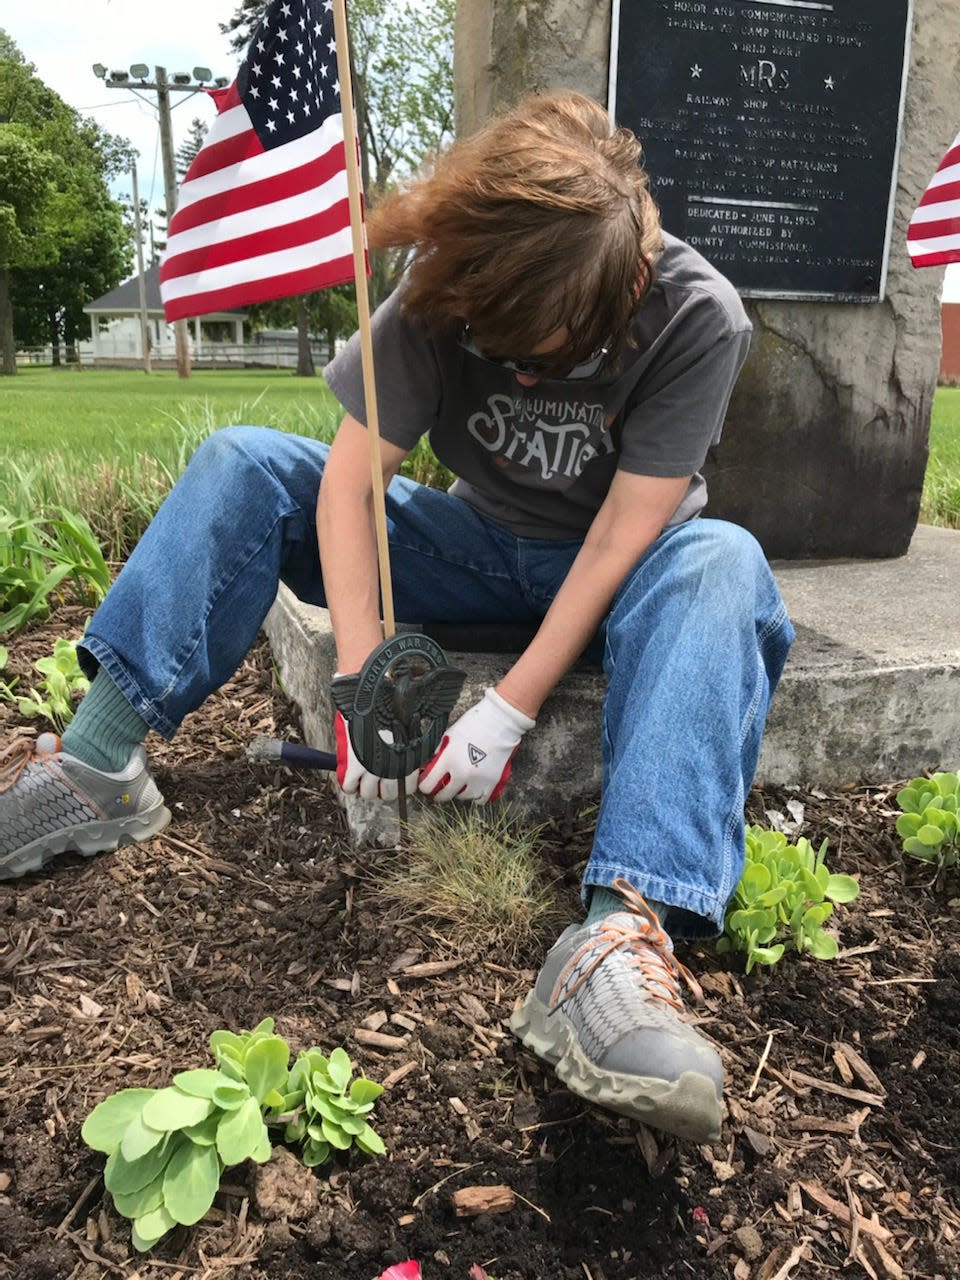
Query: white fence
208	355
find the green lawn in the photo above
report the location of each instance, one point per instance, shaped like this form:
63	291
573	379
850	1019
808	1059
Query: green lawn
945	426
941	490
109	443
91	412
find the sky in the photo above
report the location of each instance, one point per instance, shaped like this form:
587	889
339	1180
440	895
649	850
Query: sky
64	38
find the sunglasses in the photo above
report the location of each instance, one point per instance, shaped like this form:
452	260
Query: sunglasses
535	366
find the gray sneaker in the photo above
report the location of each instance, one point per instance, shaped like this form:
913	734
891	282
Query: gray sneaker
51	802
607	1013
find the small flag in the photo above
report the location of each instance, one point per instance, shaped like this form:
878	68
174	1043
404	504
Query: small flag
933	236
263	210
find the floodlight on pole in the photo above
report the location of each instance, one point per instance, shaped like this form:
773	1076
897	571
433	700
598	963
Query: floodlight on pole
162	84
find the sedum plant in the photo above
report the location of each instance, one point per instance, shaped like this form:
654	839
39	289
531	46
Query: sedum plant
330	1110
929	822
6	690
785	896
62	680
167	1148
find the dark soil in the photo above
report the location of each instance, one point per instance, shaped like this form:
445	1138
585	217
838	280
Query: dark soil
841	1149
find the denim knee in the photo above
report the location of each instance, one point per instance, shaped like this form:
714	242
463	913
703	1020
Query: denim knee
233	447
741	567
724	556
259	474
706	577
718	565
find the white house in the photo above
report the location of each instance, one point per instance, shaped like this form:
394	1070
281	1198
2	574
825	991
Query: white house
115	321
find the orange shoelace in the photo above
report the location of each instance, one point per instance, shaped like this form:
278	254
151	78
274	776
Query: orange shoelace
647	949
15	758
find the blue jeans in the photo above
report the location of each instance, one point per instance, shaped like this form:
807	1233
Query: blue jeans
693	645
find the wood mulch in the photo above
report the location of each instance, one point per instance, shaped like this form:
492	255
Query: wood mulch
840	1153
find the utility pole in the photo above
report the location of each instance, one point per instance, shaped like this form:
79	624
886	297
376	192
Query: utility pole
141	282
163	85
170	199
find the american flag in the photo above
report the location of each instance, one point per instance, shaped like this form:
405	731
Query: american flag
263	210
933	236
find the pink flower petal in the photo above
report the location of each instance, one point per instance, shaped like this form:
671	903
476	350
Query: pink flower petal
403	1271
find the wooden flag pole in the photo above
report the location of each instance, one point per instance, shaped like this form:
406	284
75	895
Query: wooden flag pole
426	651
350	135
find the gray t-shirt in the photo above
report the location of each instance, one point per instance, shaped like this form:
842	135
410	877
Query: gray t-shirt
540	459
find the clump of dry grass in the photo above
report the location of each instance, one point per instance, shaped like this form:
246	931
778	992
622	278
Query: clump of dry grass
475	873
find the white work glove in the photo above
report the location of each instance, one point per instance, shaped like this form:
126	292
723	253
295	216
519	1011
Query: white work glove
473	760
354	779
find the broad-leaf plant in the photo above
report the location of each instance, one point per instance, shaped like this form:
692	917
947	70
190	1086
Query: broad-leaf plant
167	1148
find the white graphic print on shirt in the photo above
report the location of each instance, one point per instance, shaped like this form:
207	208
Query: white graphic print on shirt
553	439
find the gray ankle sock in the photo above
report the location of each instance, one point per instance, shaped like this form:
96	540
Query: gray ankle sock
105	729
604	902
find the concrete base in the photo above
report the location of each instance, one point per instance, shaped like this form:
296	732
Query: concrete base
869	695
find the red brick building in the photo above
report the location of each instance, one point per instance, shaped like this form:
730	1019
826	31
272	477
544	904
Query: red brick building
950	355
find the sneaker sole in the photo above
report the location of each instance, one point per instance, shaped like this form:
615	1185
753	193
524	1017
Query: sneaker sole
94	837
688	1107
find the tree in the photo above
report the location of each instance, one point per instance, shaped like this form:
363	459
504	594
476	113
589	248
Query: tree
402	62
74	244
26	195
189	149
329	313
403	83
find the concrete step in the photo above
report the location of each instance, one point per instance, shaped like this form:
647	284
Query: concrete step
870	694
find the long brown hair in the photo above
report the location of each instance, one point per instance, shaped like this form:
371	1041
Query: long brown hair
540	222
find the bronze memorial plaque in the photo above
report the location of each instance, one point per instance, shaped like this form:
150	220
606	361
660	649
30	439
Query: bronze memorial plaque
770	129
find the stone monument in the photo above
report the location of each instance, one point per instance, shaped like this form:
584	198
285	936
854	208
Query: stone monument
826	439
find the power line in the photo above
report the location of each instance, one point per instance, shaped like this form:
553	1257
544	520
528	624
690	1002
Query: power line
101	106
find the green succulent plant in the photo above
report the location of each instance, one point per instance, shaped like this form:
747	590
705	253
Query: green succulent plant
52	699
785	896
167	1148
330	1107
928	824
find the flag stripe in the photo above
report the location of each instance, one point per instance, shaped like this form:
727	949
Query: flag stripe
223	298
941	193
934	230
937	258
950	164
232	149
284	234
257	191
942	178
935	244
312	199
944	204
325	144
933	233
283	262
